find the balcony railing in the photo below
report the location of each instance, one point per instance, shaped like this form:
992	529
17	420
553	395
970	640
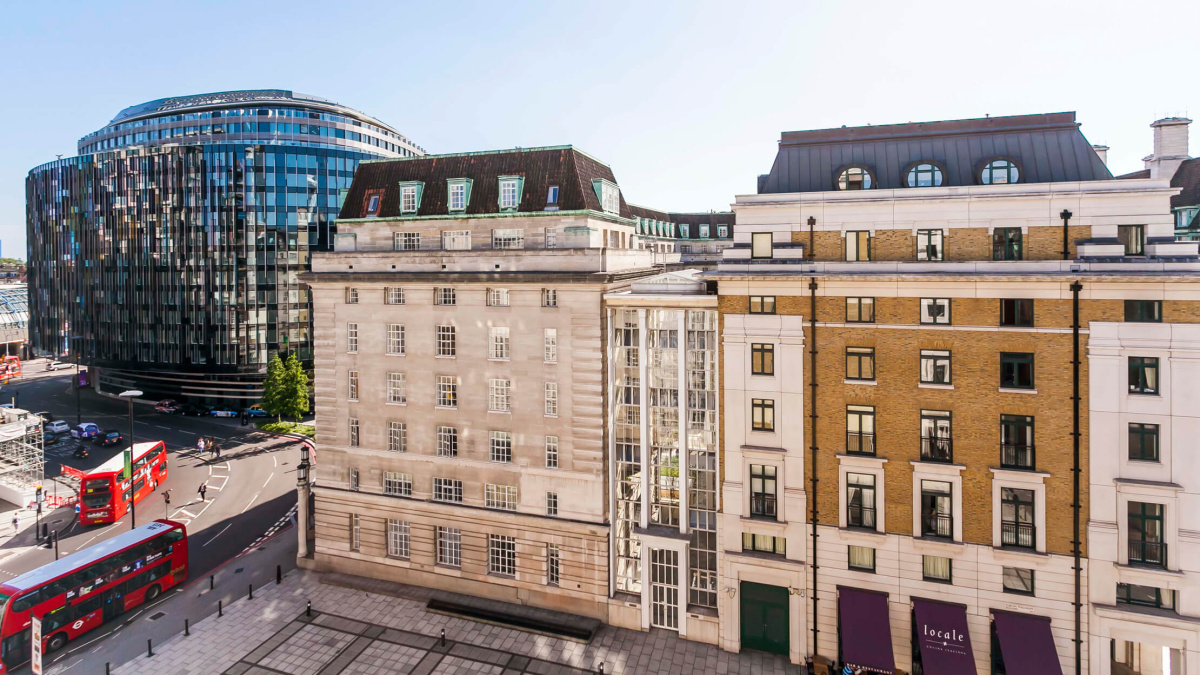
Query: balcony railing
860	516
937	525
936	449
1020	535
762	505
1016	456
1148	553
860	444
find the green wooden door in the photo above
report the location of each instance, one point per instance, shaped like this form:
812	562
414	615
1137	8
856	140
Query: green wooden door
764	618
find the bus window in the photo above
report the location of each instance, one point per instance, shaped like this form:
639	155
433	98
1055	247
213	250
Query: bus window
23	603
87	606
171	537
137	487
55	619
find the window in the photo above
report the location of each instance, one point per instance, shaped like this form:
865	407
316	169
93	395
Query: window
861	558
397	484
408	199
935	436
762	414
353	424
398	541
1016	518
443	296
550	345
503	497
1143	311
1016	370
1143	375
394	296
858	246
762	491
937	514
397	388
1016	442
854	178
456	240
354	479
397	436
552	503
497	297
1133	238
1145	596
704	231
860	363
924	174
760	245
1016	312
860	500
406	241
551	399
551	237
860	429
552	195
936	568
508	239
458	196
552	452
1017	580
352	385
446	343
999	172
763	543
1146	544
447	391
498	394
502	555
498	342
860	310
501	446
355	532
683	231
549	297
935	310
553	565
395	339
762	304
610	197
447	490
722	231
352	338
352	296
447	442
449	546
1007	243
935	366
1143	442
762	359
373	205
508	193
929	245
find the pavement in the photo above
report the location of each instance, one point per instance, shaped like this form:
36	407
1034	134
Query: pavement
356	632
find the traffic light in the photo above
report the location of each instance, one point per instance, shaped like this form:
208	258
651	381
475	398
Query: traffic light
38	494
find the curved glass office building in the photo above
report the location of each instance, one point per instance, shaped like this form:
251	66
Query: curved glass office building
165	256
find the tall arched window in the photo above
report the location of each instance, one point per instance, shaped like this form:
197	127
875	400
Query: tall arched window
924	174
1000	172
855	178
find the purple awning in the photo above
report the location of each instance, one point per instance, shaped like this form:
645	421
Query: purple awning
865	630
942	638
1026	643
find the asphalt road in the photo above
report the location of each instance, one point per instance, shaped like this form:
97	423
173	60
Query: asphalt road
251	487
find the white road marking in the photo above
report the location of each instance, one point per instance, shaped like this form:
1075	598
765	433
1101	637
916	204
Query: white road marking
269	479
251	502
275	460
227	526
188	513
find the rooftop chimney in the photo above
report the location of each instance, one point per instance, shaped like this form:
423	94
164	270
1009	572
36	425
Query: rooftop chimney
1170	146
1102	152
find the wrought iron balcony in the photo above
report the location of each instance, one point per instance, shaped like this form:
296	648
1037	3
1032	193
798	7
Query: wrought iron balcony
1016	456
1153	553
762	504
860	443
1019	535
937	525
937	449
860	516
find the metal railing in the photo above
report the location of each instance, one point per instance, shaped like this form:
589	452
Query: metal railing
1016	456
762	504
860	516
937	525
1148	553
1020	535
937	449
859	443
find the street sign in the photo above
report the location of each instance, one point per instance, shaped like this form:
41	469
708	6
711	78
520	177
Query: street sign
128	454
36	636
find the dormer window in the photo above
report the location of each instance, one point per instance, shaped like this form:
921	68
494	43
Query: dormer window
704	231
924	174
552	196
855	178
372	205
609	195
722	231
410	196
683	231
459	194
999	172
510	192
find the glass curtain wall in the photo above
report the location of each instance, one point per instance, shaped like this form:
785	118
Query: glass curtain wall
628	432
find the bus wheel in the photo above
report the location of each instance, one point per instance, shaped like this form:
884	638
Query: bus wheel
56	643
153	592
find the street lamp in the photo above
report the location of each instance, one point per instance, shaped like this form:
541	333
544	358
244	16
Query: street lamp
129	396
302	497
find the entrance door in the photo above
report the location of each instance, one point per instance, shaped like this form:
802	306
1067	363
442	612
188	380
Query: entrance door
114	602
664	588
765	618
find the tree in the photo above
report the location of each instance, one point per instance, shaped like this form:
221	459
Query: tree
273	388
285	391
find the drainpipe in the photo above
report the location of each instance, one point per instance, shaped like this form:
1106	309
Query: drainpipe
1076	470
1066	218
812	425
812	254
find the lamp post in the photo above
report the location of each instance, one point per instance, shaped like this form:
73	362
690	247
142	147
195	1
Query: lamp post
302	489
129	396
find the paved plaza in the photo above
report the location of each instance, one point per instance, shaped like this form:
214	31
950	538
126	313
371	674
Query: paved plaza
387	629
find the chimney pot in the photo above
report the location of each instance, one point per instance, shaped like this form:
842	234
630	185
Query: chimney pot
1170	146
1102	152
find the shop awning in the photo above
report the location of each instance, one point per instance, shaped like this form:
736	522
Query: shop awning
865	630
943	639
1026	643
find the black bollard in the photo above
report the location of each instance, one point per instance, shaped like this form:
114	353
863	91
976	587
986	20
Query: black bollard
219	612
278	574
251	591
212	581
149	648
308	608
186	630
107	668
601	669
443	637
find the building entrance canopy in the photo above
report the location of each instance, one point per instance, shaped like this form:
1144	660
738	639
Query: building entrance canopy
942	637
866	634
1026	644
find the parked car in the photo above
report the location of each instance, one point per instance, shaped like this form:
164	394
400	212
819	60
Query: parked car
48	438
191	409
222	411
58	427
45	415
85	430
167	405
256	411
109	437
59	365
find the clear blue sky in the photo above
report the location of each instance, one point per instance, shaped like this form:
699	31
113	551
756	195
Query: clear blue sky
684	99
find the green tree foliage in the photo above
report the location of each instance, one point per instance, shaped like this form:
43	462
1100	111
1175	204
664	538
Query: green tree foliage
285	392
273	388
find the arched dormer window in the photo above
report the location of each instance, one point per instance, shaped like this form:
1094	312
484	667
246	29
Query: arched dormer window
924	174
855	178
1000	172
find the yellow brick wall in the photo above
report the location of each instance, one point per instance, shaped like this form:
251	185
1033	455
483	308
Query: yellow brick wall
971	243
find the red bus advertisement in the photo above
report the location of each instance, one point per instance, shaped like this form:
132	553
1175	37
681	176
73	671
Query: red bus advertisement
104	493
85	589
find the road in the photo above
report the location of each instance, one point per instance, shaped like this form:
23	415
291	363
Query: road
251	487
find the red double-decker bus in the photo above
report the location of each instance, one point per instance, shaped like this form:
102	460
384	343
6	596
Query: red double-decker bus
83	590
104	493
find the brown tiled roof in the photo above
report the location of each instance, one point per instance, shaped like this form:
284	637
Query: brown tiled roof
565	166
1187	176
1144	173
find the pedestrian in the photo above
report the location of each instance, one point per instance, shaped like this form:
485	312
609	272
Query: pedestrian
203	489
216	450
200	445
15	523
